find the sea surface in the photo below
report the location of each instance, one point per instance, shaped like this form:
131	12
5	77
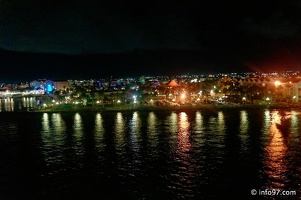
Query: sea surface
200	154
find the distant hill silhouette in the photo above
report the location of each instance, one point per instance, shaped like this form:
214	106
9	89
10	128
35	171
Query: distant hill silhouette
21	66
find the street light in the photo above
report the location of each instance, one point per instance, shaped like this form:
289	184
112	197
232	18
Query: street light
134	97
294	99
277	84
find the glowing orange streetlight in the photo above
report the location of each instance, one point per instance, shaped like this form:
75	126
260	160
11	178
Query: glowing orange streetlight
183	96
277	83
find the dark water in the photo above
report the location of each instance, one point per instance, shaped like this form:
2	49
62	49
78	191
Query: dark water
206	154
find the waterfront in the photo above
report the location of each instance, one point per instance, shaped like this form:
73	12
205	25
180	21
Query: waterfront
193	154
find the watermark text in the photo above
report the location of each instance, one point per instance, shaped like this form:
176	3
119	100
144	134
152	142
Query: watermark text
273	192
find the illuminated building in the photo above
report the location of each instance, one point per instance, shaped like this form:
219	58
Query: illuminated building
56	85
289	89
38	84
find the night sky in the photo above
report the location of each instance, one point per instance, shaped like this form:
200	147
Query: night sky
93	39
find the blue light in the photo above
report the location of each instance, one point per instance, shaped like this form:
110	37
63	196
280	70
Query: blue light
49	88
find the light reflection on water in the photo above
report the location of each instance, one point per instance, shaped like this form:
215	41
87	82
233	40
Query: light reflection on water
135	125
99	131
276	151
294	129
152	130
45	124
52	135
99	127
183	135
244	122
119	131
221	123
184	179
11	104
199	127
53	129
58	123
78	125
172	123
166	155
8	104
78	134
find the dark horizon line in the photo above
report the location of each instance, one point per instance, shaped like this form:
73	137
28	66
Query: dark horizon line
124	77
23	66
91	52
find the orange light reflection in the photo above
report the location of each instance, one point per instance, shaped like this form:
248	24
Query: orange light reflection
183	135
186	162
276	151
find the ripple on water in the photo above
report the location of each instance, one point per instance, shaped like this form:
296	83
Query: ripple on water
155	155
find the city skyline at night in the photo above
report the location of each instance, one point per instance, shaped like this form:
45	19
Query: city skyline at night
159	99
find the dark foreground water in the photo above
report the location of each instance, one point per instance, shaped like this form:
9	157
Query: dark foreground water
205	154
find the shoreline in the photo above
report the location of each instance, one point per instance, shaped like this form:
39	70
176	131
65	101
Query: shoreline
162	108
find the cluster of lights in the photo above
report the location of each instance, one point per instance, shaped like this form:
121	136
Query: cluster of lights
172	96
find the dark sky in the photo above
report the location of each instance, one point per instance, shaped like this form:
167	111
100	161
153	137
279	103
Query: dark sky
94	38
